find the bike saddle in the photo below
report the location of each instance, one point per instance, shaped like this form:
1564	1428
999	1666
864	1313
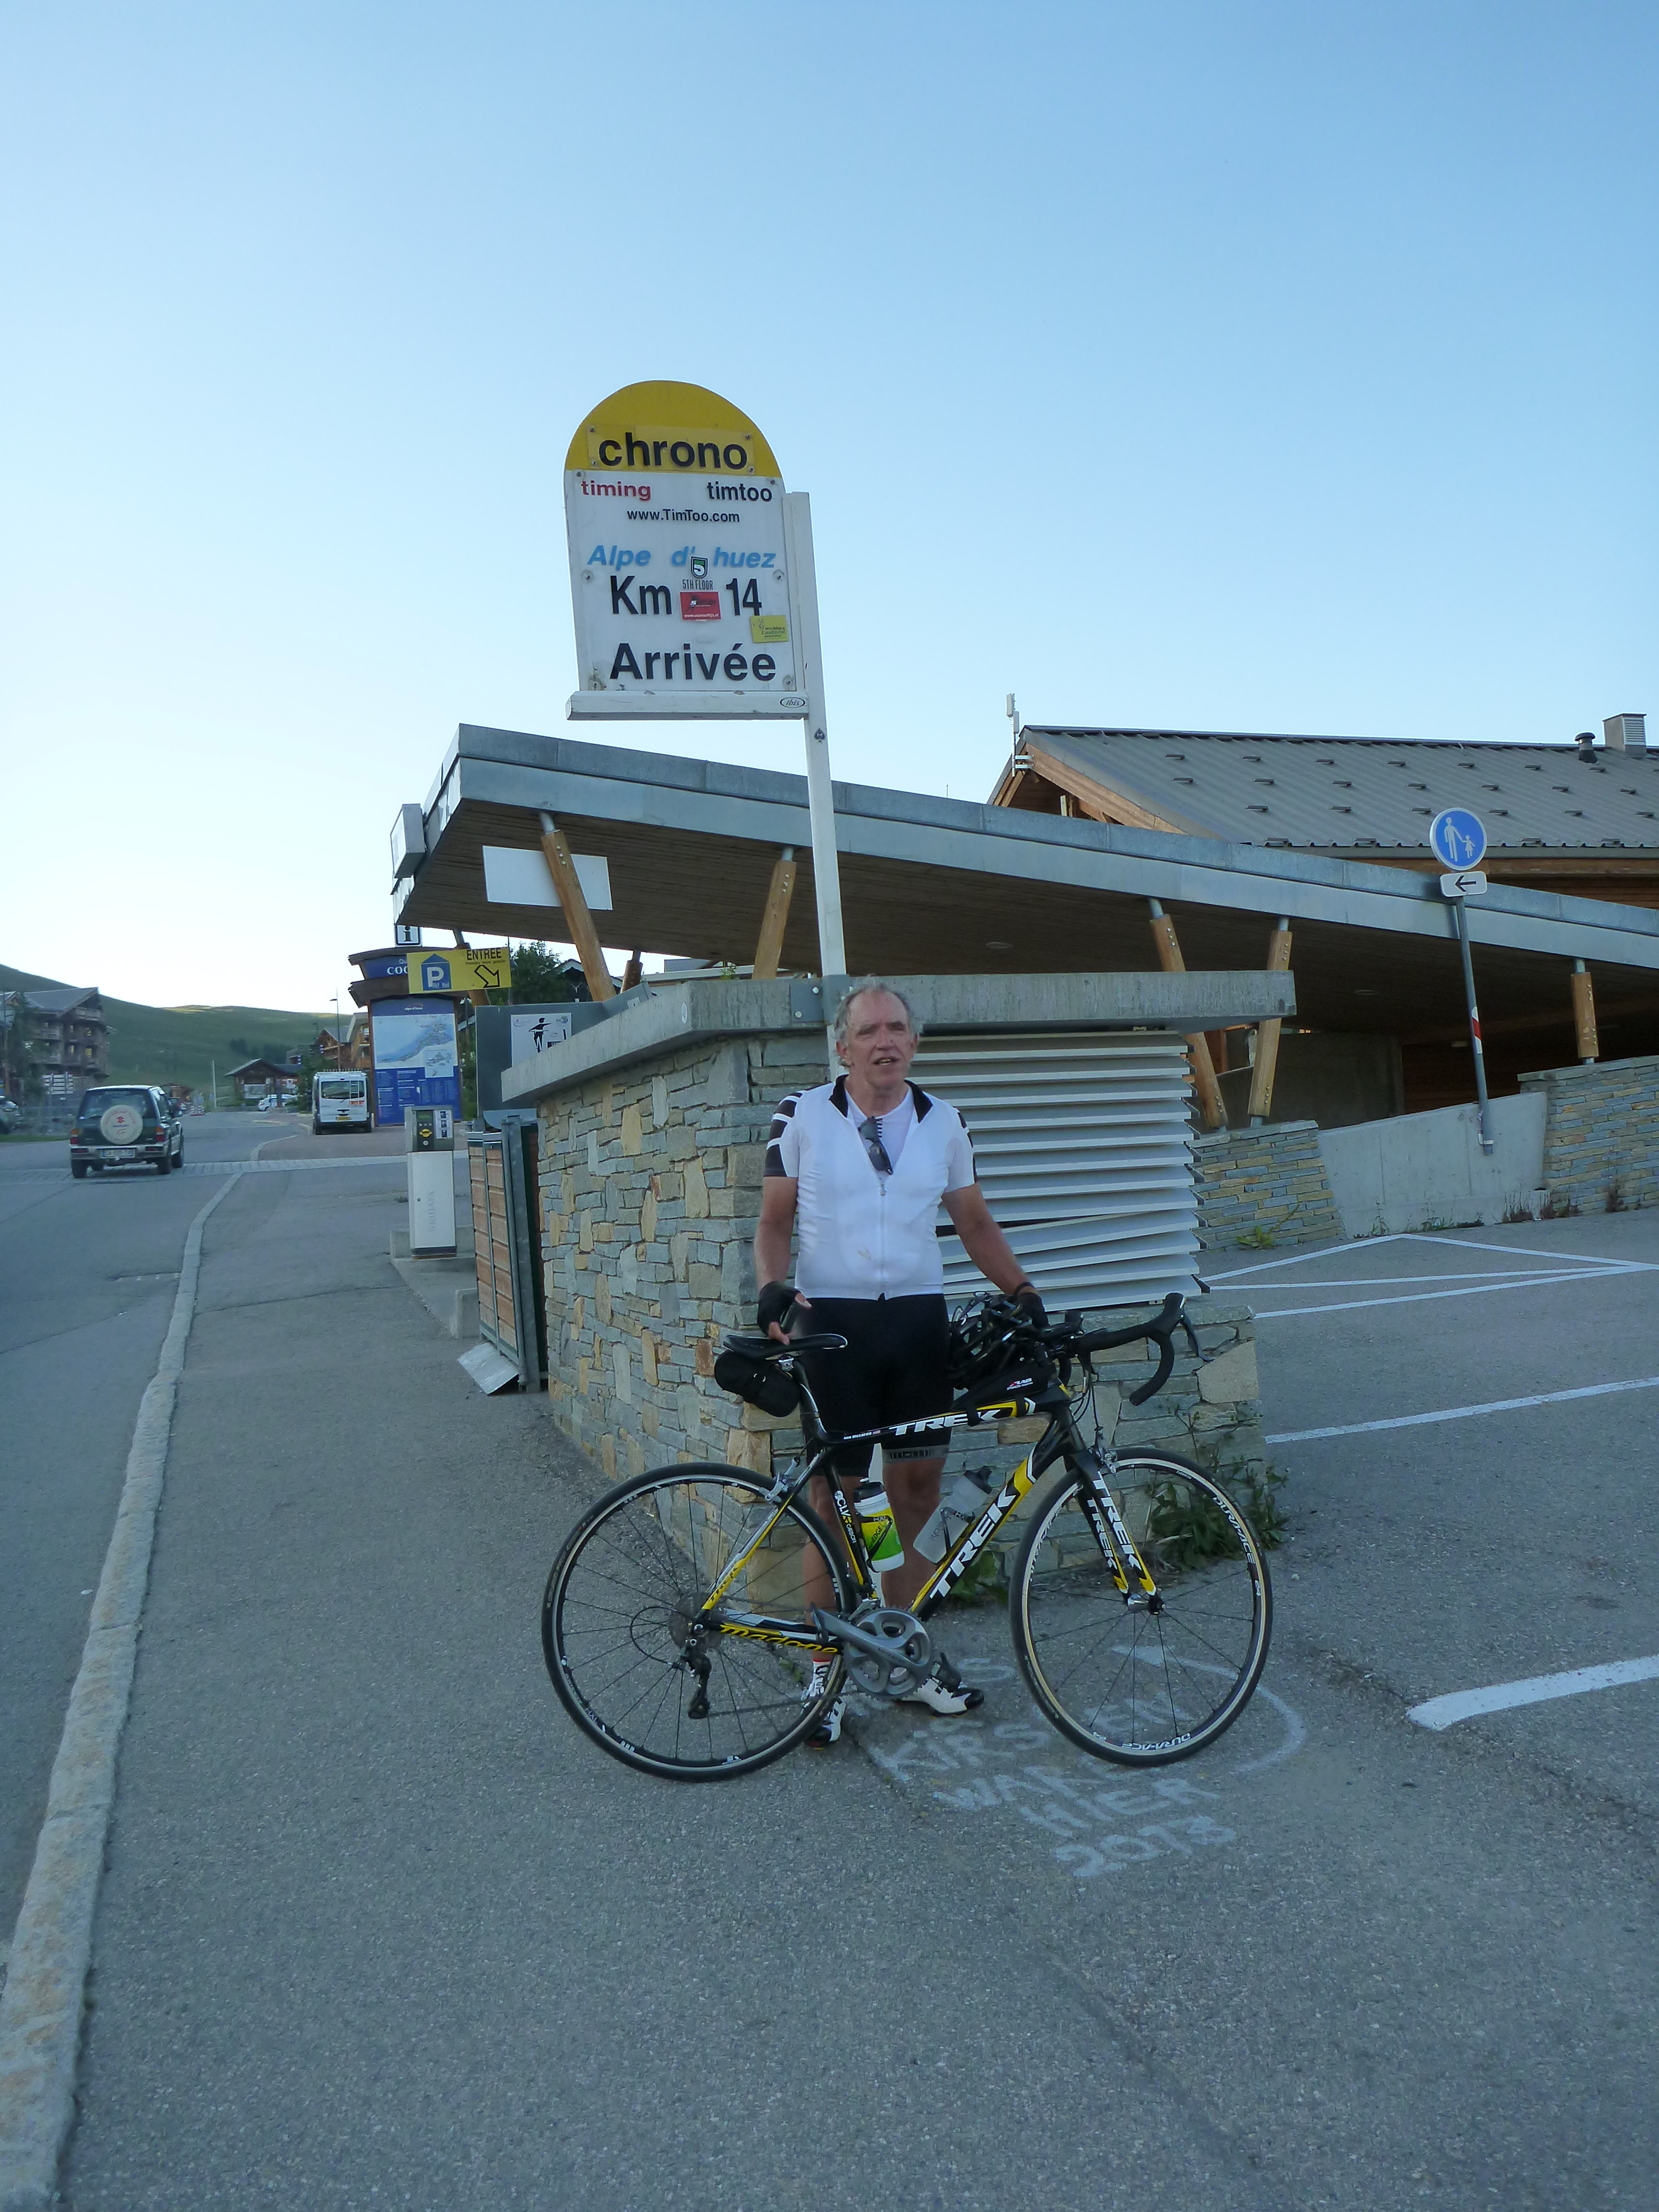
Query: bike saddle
767	1347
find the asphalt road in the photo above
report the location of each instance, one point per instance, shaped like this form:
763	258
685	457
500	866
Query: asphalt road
88	1274
380	1928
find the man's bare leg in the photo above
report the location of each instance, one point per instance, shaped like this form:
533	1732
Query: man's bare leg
912	1488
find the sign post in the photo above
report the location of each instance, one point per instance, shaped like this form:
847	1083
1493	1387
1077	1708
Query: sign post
1459	840
694	590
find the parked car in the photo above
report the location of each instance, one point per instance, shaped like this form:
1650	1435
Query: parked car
270	1103
125	1125
10	1115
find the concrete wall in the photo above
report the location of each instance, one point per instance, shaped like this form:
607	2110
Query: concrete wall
1601	1133
1330	1078
1420	1170
1268	1182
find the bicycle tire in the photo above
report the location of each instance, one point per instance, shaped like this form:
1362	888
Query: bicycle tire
1144	1688
654	1557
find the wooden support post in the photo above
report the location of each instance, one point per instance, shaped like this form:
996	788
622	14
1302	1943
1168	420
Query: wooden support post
1583	1014
770	944
577	919
1204	1082
1267	1033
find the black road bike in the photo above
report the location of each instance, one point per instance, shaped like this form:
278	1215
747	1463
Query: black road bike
678	1630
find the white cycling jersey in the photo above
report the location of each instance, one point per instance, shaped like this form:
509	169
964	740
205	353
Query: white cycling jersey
862	1234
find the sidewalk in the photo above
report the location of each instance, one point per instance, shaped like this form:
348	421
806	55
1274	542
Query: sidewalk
378	1927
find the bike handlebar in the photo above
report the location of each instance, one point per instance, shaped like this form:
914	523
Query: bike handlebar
1160	1332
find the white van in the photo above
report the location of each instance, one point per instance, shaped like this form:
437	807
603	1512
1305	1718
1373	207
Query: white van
339	1102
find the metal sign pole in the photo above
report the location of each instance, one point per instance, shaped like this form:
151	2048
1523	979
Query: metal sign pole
820	791
1460	908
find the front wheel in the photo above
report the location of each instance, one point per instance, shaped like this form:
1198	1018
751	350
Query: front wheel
634	1661
1138	1680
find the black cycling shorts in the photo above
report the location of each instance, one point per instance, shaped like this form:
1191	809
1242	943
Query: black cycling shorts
894	1369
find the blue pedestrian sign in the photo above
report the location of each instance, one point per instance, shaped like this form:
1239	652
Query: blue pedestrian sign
1458	837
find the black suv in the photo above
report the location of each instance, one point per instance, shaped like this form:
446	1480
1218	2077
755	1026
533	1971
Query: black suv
125	1125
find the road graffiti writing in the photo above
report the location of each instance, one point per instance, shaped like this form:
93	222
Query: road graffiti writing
1101	1818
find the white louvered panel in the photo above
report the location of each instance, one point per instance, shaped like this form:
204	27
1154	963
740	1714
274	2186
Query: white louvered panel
1083	1145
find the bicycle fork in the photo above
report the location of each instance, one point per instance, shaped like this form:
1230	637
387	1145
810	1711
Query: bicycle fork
1118	1546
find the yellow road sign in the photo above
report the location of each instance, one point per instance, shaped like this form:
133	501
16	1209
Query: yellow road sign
460	968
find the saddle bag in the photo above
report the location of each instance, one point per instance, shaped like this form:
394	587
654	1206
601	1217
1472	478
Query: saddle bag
759	1382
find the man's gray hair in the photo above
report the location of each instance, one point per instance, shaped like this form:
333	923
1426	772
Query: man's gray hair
844	1010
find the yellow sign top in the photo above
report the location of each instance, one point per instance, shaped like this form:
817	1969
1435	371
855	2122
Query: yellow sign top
672	429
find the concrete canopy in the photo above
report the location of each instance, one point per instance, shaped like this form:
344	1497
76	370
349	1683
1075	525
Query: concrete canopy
947	887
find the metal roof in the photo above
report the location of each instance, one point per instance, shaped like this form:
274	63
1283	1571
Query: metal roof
1356	794
944	887
62	1001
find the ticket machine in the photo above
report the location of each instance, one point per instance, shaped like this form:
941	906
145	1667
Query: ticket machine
429	1142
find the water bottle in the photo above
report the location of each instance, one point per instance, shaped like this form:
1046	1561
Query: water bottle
881	1538
962	1500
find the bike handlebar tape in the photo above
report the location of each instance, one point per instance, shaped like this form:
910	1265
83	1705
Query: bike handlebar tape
1165	1343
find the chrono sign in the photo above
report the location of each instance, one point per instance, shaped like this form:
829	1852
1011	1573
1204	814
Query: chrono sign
679	570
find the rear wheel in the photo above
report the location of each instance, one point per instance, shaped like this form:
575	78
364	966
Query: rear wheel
620	1629
78	1169
1137	1682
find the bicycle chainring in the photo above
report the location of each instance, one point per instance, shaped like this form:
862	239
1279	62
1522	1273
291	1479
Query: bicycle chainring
911	1647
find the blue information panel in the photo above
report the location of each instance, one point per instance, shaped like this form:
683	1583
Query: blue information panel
415	1060
1458	837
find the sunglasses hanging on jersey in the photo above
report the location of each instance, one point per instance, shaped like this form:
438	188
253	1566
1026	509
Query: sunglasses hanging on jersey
870	1130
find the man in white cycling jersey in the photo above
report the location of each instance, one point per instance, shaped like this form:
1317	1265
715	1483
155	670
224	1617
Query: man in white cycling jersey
858	1169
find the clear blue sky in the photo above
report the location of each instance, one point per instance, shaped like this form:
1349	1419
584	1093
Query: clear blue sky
1221	365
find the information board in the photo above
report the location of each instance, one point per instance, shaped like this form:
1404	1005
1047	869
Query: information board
415	1060
675	516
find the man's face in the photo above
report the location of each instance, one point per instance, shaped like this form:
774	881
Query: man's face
880	1044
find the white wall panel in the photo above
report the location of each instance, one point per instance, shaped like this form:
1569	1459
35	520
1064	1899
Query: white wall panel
1084	1149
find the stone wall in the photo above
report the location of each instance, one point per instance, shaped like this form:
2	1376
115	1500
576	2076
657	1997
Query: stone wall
649	1197
649	1193
1601	1133
1266	1184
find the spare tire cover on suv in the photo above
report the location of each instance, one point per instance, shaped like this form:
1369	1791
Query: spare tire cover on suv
121	1124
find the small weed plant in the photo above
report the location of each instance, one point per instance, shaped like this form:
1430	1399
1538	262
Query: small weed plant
1188	1528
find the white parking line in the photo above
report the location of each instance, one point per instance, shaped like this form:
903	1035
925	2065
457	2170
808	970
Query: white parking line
1552	1261
1426	1298
1464	1705
1465	1412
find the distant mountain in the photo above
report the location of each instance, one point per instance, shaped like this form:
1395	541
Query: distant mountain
182	1044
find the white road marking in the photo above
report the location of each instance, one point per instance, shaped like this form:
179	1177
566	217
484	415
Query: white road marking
1421	1236
1425	1297
1466	1412
1464	1705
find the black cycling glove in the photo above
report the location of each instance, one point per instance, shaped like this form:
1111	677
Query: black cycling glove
1029	1307
775	1302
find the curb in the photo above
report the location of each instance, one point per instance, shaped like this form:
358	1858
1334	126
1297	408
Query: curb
51	1947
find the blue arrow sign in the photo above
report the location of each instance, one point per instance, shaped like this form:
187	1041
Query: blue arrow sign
1458	837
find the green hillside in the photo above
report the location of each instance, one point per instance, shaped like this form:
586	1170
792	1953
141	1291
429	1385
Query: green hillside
181	1044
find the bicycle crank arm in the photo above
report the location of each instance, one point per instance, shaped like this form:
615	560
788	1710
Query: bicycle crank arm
901	1648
